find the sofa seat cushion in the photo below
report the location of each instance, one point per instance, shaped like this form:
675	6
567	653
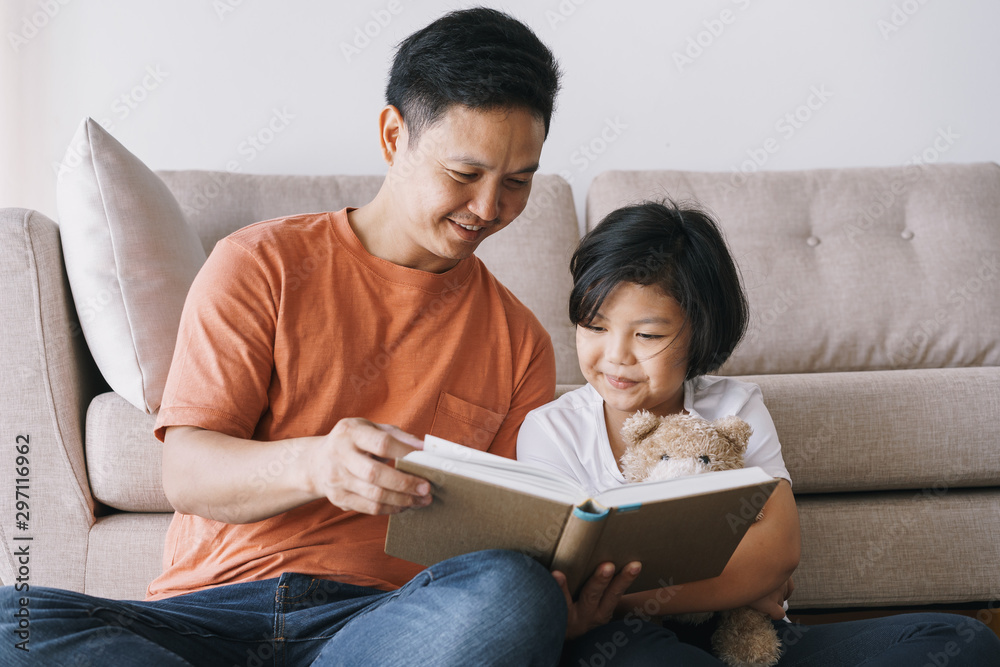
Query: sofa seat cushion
125	553
898	548
123	458
912	429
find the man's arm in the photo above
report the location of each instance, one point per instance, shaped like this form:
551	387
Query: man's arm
234	480
762	564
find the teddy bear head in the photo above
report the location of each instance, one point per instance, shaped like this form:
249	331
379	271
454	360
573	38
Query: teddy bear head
677	445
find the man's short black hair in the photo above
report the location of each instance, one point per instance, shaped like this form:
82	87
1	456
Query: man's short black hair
480	58
679	249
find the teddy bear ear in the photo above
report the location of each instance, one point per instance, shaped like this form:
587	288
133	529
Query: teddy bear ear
735	430
638	426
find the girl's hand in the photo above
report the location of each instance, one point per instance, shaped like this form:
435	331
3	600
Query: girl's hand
772	604
598	597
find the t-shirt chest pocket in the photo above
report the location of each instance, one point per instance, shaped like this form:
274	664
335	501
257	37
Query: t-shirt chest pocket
465	423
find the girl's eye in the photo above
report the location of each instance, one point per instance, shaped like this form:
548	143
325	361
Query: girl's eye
591	327
645	336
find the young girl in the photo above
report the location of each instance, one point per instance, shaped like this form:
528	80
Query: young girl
658	305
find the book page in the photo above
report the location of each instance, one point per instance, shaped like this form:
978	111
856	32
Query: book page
680	487
460	460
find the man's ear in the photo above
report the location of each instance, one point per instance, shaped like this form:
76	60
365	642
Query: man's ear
392	133
638	426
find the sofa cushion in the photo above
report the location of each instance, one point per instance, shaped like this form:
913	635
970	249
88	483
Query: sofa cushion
898	548
124	554
130	256
912	429
850	269
124	459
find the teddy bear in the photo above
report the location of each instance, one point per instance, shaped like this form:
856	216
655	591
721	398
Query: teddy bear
676	445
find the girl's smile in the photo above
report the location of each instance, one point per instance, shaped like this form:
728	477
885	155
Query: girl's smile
620	383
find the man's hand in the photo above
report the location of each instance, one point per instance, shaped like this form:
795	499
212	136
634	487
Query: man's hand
352	466
772	604
598	597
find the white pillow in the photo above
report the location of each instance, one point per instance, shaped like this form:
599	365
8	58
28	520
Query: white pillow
130	256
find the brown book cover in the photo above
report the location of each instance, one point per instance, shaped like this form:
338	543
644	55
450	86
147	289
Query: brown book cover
681	530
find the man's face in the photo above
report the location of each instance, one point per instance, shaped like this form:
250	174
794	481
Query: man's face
467	177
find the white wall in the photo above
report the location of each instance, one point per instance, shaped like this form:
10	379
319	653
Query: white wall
186	83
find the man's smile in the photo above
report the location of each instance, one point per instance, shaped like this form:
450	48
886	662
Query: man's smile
468	231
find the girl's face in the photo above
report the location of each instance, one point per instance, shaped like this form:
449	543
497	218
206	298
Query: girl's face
635	352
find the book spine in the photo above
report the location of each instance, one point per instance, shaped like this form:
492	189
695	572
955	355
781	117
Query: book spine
576	544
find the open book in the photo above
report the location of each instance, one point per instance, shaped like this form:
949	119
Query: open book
682	529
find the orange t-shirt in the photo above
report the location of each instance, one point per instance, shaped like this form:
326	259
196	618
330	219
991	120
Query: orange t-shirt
292	325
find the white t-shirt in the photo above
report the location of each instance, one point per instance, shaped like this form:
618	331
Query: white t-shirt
569	435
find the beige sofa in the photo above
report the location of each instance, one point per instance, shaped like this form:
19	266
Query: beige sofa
876	315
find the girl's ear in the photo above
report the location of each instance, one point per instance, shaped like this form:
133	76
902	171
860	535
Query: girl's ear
638	426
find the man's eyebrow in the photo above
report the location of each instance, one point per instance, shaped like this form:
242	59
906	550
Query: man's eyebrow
479	164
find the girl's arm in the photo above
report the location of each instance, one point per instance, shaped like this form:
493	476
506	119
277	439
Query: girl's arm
761	564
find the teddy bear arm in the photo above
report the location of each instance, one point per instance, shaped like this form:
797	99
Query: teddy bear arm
735	430
638	426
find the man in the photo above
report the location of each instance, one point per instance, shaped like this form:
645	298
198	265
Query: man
269	374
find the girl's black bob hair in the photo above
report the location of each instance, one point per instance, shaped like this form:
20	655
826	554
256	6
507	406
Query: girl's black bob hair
678	248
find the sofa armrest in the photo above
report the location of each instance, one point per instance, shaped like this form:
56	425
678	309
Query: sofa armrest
47	381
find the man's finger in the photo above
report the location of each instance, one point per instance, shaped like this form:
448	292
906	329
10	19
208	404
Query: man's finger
375	473
401	435
376	439
382	496
358	503
382	443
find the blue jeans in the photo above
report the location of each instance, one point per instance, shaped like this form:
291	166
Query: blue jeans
905	640
487	608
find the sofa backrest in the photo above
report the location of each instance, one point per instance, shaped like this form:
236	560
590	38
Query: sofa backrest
850	269
530	257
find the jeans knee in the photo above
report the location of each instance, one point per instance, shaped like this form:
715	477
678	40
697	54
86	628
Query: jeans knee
509	573
522	593
531	606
